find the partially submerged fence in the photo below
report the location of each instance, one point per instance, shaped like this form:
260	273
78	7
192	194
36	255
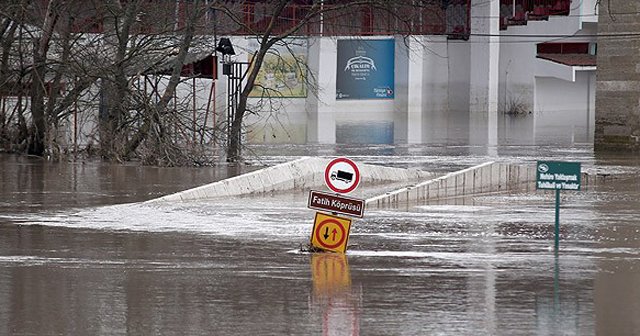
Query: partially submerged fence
489	177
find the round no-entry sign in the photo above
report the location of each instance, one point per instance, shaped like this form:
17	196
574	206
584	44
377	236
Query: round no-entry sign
342	175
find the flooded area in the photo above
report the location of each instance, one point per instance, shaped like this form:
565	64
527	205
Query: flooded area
81	254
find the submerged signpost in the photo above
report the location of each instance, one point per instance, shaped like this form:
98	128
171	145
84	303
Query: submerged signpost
330	232
557	175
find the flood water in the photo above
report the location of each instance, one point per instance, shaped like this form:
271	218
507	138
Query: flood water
80	254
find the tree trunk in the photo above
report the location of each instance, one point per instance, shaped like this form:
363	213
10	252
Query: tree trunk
38	83
234	151
55	89
115	86
37	130
8	37
168	94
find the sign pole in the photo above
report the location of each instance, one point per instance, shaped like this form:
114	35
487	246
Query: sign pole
331	233
558	175
557	227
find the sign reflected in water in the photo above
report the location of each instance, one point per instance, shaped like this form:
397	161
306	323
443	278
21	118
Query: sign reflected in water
333	294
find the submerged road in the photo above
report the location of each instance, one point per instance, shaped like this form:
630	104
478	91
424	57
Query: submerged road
81	256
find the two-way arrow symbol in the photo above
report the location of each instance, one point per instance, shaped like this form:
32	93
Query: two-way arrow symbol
326	233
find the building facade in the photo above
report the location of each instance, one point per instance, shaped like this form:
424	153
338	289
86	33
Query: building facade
447	72
498	72
618	84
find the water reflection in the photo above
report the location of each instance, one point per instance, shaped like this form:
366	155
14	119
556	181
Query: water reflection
30	184
561	308
333	296
616	290
482	265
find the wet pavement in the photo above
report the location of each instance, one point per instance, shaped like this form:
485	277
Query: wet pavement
81	255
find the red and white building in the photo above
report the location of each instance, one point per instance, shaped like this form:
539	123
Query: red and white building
478	72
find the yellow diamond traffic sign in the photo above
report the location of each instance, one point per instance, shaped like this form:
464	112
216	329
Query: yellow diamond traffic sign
330	233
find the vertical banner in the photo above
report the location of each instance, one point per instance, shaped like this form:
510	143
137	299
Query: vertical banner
283	72
365	69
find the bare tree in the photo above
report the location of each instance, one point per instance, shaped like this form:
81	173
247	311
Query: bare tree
401	16
161	106
38	81
128	117
89	57
8	31
37	63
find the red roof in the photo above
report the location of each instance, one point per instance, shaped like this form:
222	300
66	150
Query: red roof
571	59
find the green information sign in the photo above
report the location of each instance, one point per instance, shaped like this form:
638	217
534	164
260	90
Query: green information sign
558	175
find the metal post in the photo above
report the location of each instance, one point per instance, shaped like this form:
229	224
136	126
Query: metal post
234	86
75	129
206	112
4	114
556	283
557	226
235	76
213	114
238	72
231	89
321	17
194	125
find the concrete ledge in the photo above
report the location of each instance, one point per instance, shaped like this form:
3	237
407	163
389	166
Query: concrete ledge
489	177
304	173
308	173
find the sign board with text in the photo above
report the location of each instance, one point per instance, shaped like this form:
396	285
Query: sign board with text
336	203
365	69
558	175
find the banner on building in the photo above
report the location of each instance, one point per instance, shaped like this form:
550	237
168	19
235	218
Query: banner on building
365	69
283	70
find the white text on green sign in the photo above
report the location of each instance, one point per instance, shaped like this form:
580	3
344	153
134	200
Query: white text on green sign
557	175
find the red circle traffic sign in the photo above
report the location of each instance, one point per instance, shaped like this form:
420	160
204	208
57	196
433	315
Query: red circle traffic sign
342	175
324	244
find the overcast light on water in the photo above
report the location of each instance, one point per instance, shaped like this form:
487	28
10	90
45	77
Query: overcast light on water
81	254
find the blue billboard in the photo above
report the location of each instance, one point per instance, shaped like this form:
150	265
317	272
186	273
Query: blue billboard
365	69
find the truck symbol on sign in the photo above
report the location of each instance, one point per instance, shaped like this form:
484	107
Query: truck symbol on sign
343	176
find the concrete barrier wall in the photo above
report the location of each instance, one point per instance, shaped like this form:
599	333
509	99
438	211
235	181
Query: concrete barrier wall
304	173
490	177
308	173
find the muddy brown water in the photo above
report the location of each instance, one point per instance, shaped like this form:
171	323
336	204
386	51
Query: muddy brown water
80	255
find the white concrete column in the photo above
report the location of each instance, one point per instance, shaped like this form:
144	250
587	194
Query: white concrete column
484	76
415	89
321	125
401	101
412	77
437	82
